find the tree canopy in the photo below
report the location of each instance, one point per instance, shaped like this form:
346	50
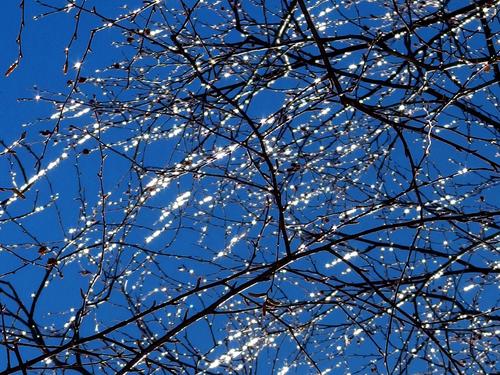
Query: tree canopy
255	187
